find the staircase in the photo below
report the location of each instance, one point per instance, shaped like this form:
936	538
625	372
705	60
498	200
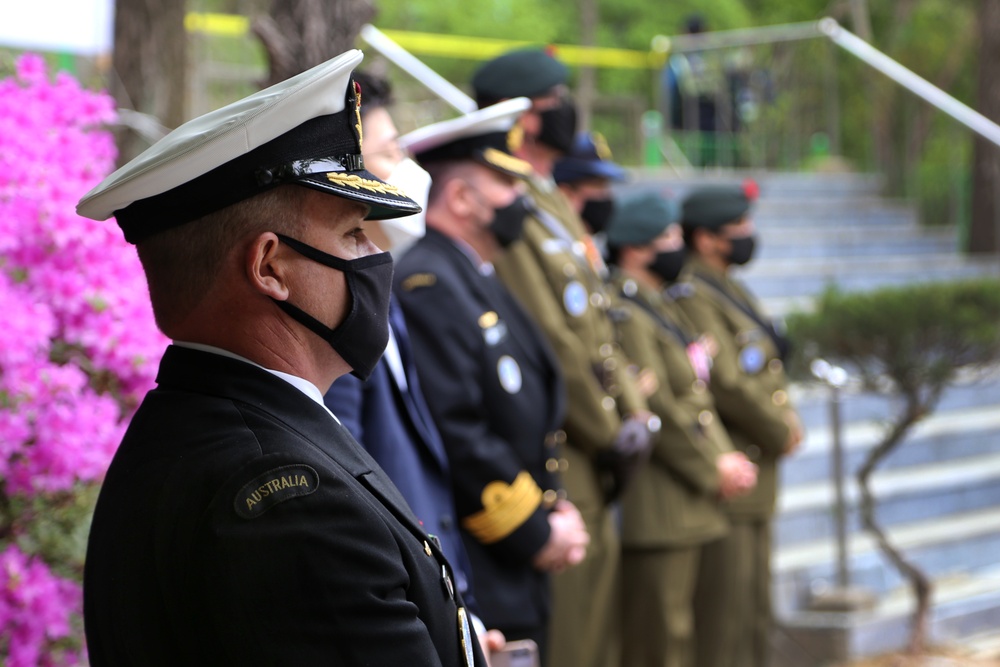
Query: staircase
938	493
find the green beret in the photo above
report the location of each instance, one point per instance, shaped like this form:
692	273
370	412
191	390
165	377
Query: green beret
640	218
714	206
526	73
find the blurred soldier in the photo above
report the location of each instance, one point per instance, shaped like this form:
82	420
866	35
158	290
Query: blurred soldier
491	382
672	507
750	390
556	273
387	412
239	523
585	176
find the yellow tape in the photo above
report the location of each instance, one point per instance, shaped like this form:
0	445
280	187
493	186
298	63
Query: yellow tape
455	46
220	25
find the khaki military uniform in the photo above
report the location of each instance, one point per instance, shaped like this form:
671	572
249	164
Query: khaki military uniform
750	390
671	508
552	273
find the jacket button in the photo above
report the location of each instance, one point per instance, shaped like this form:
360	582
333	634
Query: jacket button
753	452
775	365
552	465
698	387
608	403
705	418
779	397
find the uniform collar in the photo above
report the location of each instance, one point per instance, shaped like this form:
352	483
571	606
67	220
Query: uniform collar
303	385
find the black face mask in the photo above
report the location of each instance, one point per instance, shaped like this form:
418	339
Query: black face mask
742	251
667	265
361	338
508	222
596	213
559	126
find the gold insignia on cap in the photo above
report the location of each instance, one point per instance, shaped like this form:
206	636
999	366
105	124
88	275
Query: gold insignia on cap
358	183
507	162
418	280
488	319
505	508
601	146
515	138
357	112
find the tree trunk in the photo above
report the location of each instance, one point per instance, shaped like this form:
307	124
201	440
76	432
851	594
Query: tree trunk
150	60
586	88
984	233
916	410
299	34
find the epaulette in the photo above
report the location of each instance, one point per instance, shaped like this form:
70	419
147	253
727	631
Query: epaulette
411	283
682	290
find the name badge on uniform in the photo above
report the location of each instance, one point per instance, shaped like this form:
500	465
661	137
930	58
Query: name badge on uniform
752	359
553	246
509	373
465	634
494	330
575	298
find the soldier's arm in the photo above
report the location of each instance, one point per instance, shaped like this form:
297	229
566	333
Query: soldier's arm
679	446
742	399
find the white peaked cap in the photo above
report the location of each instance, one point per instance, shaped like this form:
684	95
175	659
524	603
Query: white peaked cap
305	130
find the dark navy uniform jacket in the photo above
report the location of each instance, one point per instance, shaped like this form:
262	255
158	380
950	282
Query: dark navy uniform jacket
495	392
395	425
239	524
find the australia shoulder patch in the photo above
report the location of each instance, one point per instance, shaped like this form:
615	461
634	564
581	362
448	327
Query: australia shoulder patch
274	486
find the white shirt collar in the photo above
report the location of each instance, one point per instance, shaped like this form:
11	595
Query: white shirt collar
303	385
482	266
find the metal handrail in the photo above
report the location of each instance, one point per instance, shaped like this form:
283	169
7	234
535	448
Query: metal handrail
415	67
857	47
917	85
725	39
826	27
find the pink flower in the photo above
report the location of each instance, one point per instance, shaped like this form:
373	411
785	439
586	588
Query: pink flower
78	347
36	608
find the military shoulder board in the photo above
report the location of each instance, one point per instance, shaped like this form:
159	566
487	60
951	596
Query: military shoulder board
411	283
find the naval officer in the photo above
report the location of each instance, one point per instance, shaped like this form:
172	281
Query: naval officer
239	522
491	381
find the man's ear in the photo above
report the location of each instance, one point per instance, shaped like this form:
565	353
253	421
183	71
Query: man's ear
458	194
703	241
266	266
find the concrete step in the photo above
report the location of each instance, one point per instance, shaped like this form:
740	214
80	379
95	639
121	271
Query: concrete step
962	606
781	233
832	212
772	184
963	543
972	389
862	274
781	246
918	269
903	495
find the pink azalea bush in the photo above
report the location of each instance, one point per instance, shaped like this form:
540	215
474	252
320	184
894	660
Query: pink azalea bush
78	350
